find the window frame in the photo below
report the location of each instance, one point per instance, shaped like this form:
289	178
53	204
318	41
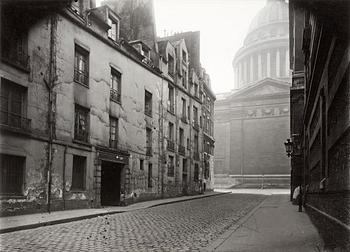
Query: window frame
82	180
21	162
113	142
80	110
148	103
116	93
81	53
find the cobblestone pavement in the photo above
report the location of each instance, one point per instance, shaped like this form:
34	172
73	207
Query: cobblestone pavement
182	226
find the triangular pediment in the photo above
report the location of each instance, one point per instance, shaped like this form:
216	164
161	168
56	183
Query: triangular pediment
265	87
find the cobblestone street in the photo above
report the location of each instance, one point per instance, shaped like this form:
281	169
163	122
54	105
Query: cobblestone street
189	225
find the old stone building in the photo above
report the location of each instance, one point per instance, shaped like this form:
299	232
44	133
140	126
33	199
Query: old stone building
252	121
189	94
84	111
320	118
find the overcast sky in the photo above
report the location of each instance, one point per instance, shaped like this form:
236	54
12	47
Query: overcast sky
223	25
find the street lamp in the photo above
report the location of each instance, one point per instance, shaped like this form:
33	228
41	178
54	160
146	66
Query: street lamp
289	147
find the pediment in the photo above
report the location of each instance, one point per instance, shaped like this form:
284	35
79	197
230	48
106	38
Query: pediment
266	87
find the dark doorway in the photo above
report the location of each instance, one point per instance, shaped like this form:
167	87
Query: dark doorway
110	183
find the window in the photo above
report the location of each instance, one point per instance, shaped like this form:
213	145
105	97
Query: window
170	65
195	115
196	173
113	31
12	174
148	141
148	103
116	85
141	164
188	144
171	166
196	143
196	90
149	175
171	99
183	109
171	131
189	113
81	66
78	174
81	125
113	132
184	56
184	78
12	107
170	141
14	38
181	136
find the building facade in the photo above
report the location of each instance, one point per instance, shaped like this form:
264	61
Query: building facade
320	92
252	121
84	111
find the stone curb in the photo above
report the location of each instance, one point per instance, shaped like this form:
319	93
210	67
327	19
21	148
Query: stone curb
216	243
90	216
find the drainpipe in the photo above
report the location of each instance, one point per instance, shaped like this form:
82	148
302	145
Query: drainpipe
162	142
50	85
64	177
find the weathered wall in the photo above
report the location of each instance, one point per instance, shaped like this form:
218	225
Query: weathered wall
31	145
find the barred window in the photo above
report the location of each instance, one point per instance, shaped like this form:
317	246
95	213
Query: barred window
78	173
12	173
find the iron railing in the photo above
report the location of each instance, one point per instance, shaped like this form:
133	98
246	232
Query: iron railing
15	120
81	77
170	145
115	95
81	135
182	150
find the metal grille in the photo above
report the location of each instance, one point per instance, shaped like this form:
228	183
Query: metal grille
11	174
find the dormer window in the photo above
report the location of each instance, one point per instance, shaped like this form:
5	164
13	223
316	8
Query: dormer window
184	56
170	65
113	31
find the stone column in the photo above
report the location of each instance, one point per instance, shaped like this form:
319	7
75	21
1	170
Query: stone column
268	64
236	77
287	62
278	63
259	66
251	73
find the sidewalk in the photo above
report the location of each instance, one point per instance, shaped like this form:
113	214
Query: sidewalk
21	222
274	225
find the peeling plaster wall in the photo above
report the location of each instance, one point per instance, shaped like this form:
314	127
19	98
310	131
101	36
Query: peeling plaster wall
132	120
32	146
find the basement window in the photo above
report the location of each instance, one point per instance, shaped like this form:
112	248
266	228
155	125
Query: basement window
12	175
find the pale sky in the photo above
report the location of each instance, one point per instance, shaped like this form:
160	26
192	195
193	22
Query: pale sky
223	25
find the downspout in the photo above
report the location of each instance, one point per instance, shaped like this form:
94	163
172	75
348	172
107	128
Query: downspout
162	142
64	177
50	85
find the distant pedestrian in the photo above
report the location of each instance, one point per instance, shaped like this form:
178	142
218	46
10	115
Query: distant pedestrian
296	195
